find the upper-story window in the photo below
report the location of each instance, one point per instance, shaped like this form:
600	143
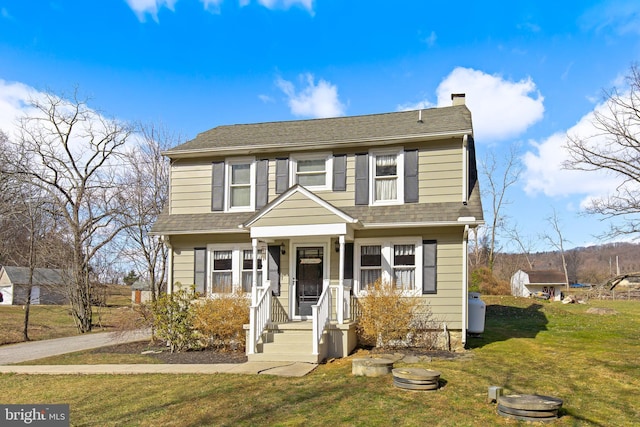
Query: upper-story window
312	171
240	179
387	173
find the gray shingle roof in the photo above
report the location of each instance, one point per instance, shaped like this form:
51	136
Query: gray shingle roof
545	276
348	130
41	276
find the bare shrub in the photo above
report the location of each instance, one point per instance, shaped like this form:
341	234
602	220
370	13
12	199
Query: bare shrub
386	316
483	281
220	320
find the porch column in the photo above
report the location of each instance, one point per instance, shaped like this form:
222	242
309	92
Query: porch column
254	272
340	296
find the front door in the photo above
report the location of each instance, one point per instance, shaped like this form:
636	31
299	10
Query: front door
309	269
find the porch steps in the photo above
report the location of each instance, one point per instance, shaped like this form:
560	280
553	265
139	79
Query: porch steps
286	342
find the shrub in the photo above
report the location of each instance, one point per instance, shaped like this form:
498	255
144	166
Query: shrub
385	316
483	281
173	319
220	320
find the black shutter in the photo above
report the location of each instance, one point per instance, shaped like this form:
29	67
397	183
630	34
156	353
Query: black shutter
262	183
273	264
429	259
411	176
362	179
217	187
282	175
340	172
348	261
200	269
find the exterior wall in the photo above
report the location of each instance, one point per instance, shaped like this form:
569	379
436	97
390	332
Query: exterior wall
7	294
440	178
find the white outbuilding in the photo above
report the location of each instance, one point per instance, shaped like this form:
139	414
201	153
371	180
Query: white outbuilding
526	283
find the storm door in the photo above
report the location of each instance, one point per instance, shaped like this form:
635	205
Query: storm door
309	270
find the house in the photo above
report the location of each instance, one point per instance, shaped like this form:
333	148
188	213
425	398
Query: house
140	292
47	286
305	215
525	283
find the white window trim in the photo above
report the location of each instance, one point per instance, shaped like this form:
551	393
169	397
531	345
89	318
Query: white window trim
372	177
252	184
328	169
236	264
387	262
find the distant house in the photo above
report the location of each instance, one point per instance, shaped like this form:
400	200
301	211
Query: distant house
524	283
140	292
47	286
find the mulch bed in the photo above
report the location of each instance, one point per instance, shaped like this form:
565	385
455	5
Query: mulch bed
161	352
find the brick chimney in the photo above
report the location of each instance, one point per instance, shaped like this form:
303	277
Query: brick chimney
457	98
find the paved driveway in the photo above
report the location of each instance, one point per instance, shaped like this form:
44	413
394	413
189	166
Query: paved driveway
32	350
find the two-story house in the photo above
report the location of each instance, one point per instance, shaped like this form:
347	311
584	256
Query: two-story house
305	215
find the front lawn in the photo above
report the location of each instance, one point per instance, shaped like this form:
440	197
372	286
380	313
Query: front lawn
591	361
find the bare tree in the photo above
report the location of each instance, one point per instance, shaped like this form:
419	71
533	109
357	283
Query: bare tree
557	240
146	195
499	176
614	146
524	244
74	150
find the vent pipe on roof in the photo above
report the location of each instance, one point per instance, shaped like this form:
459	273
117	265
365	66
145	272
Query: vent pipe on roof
458	99
420	116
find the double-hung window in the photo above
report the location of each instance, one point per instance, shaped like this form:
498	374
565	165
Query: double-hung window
240	189
370	265
312	171
404	266
247	269
398	261
222	275
387	171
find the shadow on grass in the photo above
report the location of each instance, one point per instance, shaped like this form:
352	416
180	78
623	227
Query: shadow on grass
504	322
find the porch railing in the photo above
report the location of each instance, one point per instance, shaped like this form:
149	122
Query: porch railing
259	316
321	313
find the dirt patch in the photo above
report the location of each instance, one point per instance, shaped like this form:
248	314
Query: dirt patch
161	352
601	311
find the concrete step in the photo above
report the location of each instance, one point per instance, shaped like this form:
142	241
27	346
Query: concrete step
283	357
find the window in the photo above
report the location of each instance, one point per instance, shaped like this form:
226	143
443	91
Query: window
232	268
387	169
313	171
398	261
247	268
404	266
240	189
370	265
221	278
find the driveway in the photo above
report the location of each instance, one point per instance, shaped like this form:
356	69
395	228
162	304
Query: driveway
32	350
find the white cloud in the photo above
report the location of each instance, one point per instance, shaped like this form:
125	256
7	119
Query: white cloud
544	166
14	102
431	39
286	4
501	108
622	17
143	7
313	100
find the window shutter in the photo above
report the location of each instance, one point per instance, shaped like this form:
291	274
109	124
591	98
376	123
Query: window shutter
262	183
282	175
348	261
340	172
200	269
429	260
411	176
273	264
362	179
217	187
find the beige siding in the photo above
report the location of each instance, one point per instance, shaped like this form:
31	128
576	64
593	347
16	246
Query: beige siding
440	170
298	210
191	187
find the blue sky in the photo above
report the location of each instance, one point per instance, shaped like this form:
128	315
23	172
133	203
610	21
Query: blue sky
532	71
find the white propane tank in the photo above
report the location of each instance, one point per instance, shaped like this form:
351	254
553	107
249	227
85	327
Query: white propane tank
477	309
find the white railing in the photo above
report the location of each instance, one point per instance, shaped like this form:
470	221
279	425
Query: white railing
321	313
345	294
259	316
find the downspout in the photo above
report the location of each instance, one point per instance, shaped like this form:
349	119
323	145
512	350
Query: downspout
167	242
465	285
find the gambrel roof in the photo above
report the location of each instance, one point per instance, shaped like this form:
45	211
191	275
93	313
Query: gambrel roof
317	133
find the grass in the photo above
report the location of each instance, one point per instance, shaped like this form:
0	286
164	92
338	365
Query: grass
55	321
590	361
